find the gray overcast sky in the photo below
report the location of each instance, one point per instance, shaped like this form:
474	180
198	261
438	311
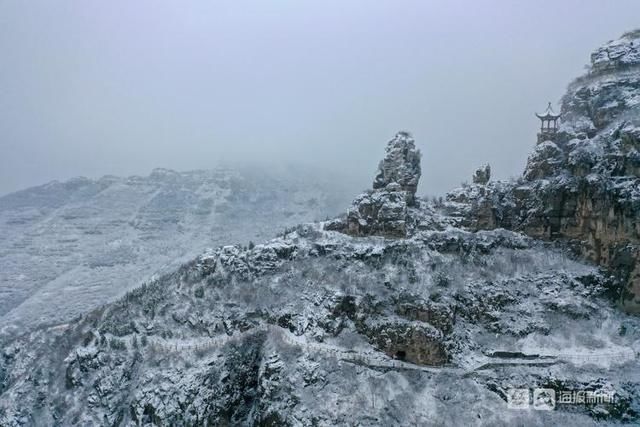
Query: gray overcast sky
120	87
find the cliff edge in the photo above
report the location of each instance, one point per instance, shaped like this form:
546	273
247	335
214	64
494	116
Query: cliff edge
583	185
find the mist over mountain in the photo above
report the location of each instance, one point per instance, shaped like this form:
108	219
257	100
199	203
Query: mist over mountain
121	87
71	246
509	302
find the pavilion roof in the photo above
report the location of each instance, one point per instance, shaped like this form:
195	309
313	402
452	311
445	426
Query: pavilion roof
548	113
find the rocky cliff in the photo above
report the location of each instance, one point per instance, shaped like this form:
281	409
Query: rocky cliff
582	185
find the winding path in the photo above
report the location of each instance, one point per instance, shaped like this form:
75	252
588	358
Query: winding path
374	359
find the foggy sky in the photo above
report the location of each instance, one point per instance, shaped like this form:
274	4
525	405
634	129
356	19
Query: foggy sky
121	87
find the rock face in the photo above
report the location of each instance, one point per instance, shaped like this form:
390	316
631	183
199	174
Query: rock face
545	161
400	167
584	186
617	54
384	211
482	175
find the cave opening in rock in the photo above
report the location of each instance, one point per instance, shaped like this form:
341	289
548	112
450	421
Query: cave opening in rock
401	354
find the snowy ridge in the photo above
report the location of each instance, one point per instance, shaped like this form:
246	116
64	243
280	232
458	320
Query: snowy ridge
325	310
69	247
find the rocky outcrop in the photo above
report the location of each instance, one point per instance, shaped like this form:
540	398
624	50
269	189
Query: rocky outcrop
400	167
384	210
381	213
482	175
545	161
584	186
415	343
617	54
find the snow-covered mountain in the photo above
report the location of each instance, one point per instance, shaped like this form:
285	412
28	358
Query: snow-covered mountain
68	247
399	312
582	184
333	324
